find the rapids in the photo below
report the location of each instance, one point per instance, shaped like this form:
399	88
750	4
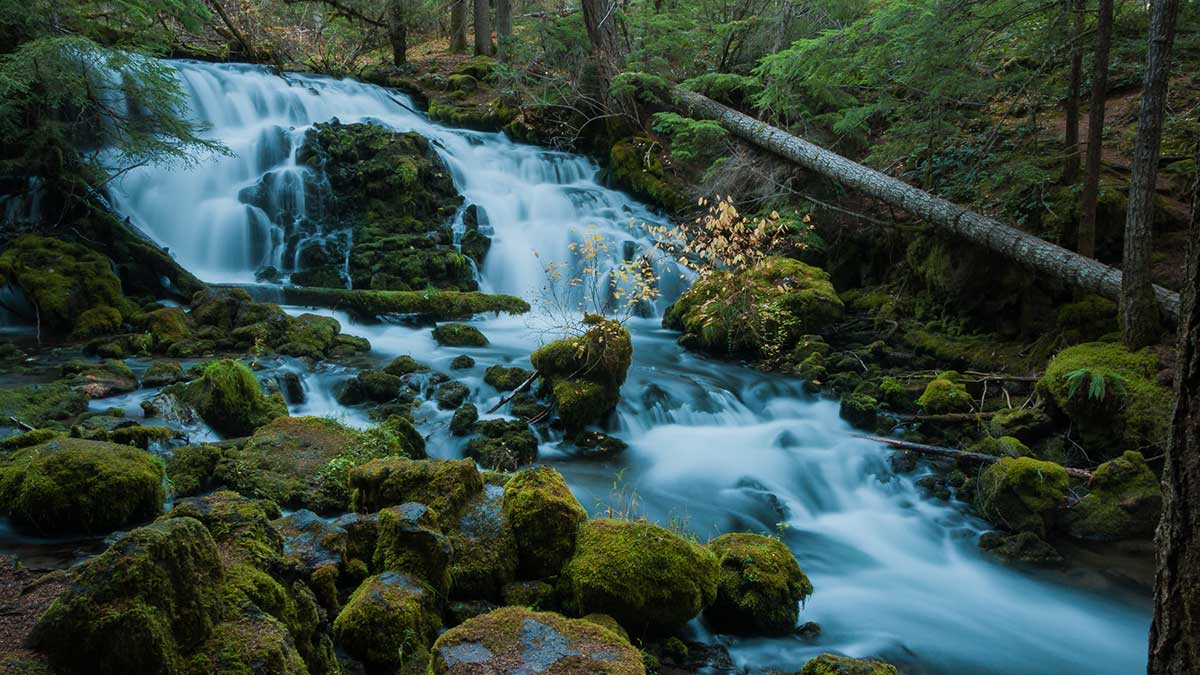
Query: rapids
714	447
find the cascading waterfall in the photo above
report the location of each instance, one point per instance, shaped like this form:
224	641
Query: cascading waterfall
712	445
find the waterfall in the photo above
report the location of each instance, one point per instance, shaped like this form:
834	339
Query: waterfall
712	445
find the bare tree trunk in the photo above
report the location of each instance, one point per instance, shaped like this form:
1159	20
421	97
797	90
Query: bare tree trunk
1021	247
398	31
1095	141
600	17
458	27
1139	317
503	20
1075	83
483	28
1175	629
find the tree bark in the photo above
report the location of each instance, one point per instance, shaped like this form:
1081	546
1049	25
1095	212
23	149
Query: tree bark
397	17
1074	84
483	28
503	20
458	26
1021	247
1095	140
1175	628
1139	316
600	17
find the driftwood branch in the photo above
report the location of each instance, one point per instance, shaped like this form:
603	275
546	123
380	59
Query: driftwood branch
524	385
1021	247
951	453
20	424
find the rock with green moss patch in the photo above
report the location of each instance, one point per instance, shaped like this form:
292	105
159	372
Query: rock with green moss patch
445	486
100	380
504	445
462	362
1124	503
192	469
408	541
391	617
785	298
485	548
649	579
464	419
450	395
41	405
1005	446
859	410
504	378
481	68
1087	319
403	365
256	645
1021	547
1111	396
167	326
945	394
1027	425
229	397
518	640
459	335
73	485
163	373
482	112
63	281
97	321
545	518
585	373
240	527
832	664
140	606
760	586
28	438
636	164
1022	493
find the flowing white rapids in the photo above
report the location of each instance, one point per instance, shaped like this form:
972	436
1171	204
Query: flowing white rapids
713	446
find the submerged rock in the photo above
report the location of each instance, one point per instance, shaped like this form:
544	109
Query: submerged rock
544	517
760	586
1022	547
459	335
516	640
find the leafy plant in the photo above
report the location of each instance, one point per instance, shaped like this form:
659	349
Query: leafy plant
1099	384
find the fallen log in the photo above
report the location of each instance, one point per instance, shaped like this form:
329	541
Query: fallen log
951	453
423	305
524	385
946	418
1021	247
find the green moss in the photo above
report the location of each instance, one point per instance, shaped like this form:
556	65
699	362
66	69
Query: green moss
581	403
24	440
544	517
463	83
69	484
499	641
482	115
644	576
409	542
1087	319
62	280
894	393
1023	547
229	397
450	395
760	586
137	607
859	410
636	164
144	437
1125	502
831	664
464	419
191	469
446	486
250	646
167	326
585	373
99	380
423	305
480	67
786	299
485	548
1027	425
1021	493
505	379
403	365
163	373
1004	446
1134	409
242	530
504	445
459	335
97	321
390	617
945	395
462	362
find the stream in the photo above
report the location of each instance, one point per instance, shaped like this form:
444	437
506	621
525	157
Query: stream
713	447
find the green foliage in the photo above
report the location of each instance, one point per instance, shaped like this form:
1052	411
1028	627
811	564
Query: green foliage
1098	383
691	140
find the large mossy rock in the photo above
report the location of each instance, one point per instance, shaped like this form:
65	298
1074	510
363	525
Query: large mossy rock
485	548
503	445
241	527
41	405
230	398
1022	493
545	518
389	619
459	335
1125	502
1111	396
831	664
777	297
636	164
445	486
585	373
64	282
945	394
73	485
516	640
649	579
760	586
255	645
140	606
409	541
396	195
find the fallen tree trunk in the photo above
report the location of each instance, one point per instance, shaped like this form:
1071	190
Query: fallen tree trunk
951	453
1021	247
421	305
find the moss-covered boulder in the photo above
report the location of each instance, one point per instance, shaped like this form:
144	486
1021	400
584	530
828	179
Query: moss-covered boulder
73	485
404	365
388	620
258	644
545	518
503	445
408	541
646	577
464	419
485	548
760	586
445	486
860	410
1125	502
99	380
163	373
517	640
310	542
778	297
41	405
96	322
140	606
459	335
945	394
228	319
167	326
482	111
1025	548
1022	493
240	527
230	398
1005	446
1111	396
832	664
504	378
585	373
1027	425
636	164
452	394
192	469
63	281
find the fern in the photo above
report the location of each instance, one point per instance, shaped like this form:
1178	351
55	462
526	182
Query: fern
1098	384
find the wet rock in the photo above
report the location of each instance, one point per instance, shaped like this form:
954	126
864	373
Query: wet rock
1125	502
459	335
544	517
379	387
1022	547
229	397
504	445
506	379
516	640
650	580
310	542
100	380
409	542
464	419
163	373
403	365
485	549
526	406
1022	493
452	394
831	664
859	410
759	588
595	445
74	485
445	486
292	387
584	374
462	362
390	618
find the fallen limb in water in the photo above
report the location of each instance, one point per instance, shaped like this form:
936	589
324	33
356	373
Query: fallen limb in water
951	453
427	305
524	385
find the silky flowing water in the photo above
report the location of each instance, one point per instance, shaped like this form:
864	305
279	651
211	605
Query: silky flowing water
714	447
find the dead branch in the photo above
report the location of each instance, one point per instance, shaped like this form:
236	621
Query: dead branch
524	385
951	453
